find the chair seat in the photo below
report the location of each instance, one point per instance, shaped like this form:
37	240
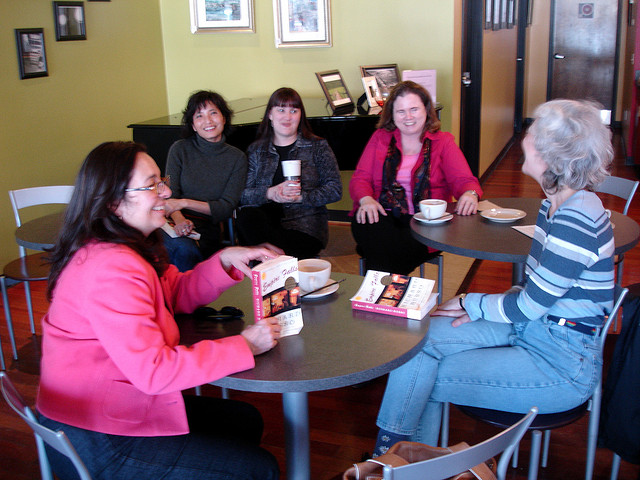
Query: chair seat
29	268
543	421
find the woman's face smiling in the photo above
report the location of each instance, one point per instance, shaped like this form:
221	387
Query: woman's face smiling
208	122
144	209
409	114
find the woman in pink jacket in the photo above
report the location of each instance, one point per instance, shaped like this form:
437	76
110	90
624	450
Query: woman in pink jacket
407	159
112	368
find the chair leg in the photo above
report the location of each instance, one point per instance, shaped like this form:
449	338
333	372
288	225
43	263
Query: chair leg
444	429
619	270
362	265
534	456
7	315
27	294
440	279
225	393
545	448
592	436
198	390
514	457
615	466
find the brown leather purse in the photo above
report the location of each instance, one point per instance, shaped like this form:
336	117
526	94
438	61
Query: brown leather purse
404	453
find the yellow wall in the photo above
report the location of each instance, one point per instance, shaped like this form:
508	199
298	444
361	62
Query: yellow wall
498	93
95	88
415	34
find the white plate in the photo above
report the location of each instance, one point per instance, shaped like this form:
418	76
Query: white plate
322	293
445	218
503	215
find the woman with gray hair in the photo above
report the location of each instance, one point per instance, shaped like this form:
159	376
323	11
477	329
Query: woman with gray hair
534	344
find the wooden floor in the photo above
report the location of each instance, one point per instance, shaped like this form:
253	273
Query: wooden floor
343	420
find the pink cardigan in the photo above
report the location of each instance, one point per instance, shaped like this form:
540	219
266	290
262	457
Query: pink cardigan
450	172
111	359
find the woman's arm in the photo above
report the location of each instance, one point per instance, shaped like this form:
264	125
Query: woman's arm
328	185
256	186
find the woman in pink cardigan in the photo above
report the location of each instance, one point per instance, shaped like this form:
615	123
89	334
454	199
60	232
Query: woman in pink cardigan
112	367
407	159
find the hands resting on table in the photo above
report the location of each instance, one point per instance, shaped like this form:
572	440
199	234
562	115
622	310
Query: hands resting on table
370	209
264	335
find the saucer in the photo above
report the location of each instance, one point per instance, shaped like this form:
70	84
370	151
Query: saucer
322	293
503	215
445	218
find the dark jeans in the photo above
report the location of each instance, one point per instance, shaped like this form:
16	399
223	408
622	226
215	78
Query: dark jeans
388	245
257	225
183	252
223	443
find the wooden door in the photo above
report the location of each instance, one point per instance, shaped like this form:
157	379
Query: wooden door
582	51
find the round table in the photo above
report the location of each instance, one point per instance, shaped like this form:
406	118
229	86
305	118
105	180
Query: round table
337	347
476	237
40	233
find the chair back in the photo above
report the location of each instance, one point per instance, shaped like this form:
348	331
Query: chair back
446	466
620	187
619	294
57	440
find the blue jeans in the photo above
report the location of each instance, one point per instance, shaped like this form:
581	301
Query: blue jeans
212	450
183	252
490	365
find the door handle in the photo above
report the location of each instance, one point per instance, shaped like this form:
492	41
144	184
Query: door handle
466	79
558	56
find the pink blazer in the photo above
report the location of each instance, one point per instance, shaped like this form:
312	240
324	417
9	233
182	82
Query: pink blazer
111	359
450	172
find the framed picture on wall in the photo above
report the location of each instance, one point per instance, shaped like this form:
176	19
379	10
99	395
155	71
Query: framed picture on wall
32	58
511	13
231	16
302	23
335	90
488	14
69	21
387	76
495	11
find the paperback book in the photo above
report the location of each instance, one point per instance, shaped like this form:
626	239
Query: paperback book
276	293
393	294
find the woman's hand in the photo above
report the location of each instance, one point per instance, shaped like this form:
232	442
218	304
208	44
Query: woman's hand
183	228
467	204
369	211
239	257
262	336
285	192
452	308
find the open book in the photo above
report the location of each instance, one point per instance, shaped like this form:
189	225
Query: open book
394	294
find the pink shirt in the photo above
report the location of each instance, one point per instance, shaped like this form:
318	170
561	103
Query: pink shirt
403	177
111	355
450	172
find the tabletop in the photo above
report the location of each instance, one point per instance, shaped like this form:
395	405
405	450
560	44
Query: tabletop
476	237
40	233
337	346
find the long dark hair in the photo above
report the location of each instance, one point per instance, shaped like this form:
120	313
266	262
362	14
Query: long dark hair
432	124
284	97
196	101
90	215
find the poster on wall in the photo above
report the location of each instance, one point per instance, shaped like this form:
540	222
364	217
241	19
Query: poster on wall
215	16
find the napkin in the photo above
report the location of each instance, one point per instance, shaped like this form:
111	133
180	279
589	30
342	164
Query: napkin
527	230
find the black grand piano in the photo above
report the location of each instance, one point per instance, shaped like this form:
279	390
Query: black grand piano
346	131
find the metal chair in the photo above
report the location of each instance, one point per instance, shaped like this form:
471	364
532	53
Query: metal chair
437	260
29	268
548	421
57	440
447	466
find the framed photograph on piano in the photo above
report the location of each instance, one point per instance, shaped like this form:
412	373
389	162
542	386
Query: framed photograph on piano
335	90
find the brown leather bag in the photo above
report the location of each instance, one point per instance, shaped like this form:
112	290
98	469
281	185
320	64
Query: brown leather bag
404	453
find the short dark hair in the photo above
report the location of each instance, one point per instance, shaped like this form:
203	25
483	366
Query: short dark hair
99	188
284	97
400	90
196	101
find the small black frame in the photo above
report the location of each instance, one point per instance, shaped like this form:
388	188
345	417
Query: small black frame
69	21
32	58
335	90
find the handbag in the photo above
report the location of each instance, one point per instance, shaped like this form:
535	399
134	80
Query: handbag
404	453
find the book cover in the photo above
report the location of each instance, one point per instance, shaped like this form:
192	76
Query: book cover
393	294
276	293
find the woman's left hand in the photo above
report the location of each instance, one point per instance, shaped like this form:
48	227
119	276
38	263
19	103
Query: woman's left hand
467	204
239	257
452	308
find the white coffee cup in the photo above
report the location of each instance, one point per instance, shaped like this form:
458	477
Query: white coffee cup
291	170
313	273
433	208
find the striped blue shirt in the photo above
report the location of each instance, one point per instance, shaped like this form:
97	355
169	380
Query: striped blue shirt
569	270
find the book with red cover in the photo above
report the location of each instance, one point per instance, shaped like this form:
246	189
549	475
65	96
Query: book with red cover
276	293
393	294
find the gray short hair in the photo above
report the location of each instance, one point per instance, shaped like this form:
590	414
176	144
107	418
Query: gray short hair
570	137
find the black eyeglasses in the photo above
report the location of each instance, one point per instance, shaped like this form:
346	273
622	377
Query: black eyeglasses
225	313
159	187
